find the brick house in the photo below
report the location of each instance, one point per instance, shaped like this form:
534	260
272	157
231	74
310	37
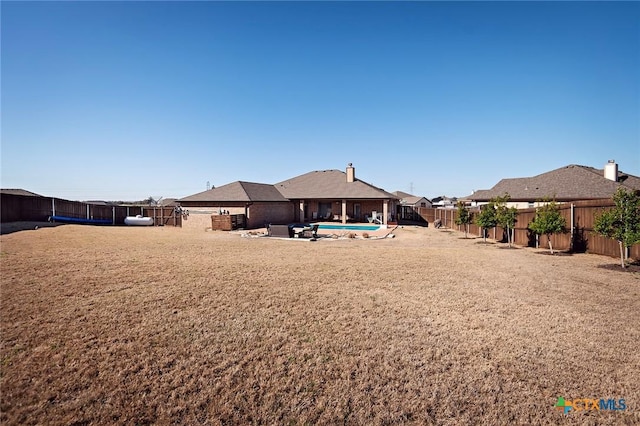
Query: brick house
566	184
323	195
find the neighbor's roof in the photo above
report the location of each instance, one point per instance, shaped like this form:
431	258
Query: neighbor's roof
329	184
410	199
238	191
19	192
401	194
572	182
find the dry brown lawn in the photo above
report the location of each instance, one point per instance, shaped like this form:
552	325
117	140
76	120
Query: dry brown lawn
116	325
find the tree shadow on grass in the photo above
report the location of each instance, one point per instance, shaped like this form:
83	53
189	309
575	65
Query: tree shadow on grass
632	267
486	243
555	253
11	227
509	248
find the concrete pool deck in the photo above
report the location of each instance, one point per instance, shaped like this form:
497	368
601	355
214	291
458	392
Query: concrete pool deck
381	232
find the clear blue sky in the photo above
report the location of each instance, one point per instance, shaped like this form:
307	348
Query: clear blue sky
126	100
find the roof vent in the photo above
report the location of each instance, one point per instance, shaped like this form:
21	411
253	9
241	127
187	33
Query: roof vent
611	170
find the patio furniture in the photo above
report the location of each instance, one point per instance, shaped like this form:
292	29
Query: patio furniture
282	231
311	232
375	217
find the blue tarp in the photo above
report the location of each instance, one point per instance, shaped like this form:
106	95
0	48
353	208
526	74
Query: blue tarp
80	220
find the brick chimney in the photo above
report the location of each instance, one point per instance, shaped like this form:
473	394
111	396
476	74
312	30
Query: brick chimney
611	170
351	173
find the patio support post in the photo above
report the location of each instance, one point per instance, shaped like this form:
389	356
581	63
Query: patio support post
344	211
301	211
385	211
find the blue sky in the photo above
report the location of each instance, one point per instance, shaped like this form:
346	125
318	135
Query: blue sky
126	100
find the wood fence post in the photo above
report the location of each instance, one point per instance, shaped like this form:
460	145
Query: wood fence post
573	227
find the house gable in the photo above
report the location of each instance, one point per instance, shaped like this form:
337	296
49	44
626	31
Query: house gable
329	184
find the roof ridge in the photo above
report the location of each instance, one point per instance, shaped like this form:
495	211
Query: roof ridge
244	189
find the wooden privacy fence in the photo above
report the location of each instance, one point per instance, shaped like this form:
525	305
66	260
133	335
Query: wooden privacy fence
16	208
579	216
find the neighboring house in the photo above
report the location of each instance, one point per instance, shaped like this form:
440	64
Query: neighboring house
444	202
168	202
569	183
314	196
19	192
409	206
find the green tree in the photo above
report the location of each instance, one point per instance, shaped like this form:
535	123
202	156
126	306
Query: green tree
464	217
548	221
622	223
486	219
506	217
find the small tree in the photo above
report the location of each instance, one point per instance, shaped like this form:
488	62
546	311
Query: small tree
486	218
622	223
464	217
506	216
548	221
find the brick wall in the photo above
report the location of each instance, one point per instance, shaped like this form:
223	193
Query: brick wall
260	214
257	214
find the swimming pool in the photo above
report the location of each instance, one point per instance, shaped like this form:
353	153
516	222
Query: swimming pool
350	227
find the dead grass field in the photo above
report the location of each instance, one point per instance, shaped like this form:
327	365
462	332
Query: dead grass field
115	325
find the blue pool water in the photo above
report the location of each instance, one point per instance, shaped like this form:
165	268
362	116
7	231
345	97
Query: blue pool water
350	227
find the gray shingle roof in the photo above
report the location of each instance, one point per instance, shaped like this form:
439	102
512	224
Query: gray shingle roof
238	192
329	184
19	192
410	199
401	194
572	182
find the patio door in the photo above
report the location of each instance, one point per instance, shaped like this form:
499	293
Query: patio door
324	211
356	211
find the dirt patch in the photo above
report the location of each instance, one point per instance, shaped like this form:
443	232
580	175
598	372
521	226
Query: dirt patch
115	325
